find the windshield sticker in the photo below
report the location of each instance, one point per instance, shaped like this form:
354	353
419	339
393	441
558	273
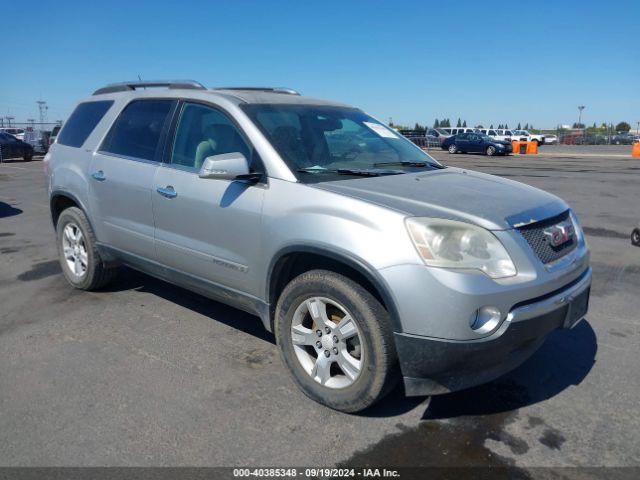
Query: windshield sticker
380	130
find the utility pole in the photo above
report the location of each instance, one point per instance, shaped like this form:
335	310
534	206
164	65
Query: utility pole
9	118
638	128
42	108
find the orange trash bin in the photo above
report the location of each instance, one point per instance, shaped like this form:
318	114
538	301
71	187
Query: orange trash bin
532	147
635	150
515	146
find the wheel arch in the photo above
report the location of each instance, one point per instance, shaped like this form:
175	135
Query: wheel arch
60	200
294	260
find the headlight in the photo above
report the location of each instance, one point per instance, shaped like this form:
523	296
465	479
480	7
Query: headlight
451	244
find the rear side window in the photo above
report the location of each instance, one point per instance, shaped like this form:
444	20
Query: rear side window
82	122
136	132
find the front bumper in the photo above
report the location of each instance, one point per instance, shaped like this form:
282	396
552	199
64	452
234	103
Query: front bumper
432	366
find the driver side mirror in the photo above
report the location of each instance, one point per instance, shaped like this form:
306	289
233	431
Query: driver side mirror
228	166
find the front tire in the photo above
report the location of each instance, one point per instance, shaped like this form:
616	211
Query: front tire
635	237
27	157
490	151
79	258
453	148
336	340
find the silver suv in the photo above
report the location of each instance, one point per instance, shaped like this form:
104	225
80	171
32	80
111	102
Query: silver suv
368	260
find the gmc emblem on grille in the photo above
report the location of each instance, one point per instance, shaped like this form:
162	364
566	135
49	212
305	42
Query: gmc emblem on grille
559	234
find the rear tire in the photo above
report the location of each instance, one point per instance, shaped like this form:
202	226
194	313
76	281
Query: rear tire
320	301
635	237
453	148
79	258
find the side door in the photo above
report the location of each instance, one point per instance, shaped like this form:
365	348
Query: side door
122	173
208	228
462	142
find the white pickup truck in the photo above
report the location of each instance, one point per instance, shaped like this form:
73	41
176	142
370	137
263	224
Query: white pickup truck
530	137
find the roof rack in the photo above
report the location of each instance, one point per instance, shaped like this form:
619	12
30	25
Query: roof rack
129	86
284	90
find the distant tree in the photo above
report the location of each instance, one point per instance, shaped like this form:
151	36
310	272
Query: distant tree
464	124
578	125
445	123
506	126
419	128
526	126
519	127
491	126
436	124
623	127
459	124
500	126
479	126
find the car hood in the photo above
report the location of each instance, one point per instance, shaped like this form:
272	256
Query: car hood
492	202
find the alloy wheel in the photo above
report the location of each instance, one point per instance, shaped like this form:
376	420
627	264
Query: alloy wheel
75	250
327	342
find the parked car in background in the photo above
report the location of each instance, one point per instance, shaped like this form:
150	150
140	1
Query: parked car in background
11	147
369	260
37	139
438	133
54	134
502	135
476	143
449	131
16	132
550	139
529	137
622	139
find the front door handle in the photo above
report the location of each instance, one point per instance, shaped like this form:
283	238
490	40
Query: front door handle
167	191
99	176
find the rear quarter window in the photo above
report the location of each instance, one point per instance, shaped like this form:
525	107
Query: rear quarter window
82	122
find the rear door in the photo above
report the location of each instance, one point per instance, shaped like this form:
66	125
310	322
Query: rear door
462	142
122	173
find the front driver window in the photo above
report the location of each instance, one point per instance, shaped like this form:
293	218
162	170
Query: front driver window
202	132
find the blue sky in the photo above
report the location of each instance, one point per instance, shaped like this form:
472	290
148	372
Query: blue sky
487	62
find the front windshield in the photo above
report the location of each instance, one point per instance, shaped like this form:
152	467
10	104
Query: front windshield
316	139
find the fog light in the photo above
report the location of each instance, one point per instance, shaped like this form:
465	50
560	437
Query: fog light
485	319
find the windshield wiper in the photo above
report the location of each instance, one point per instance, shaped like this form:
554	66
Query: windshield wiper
349	171
403	163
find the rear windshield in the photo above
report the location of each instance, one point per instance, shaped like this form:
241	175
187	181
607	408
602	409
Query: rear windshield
82	122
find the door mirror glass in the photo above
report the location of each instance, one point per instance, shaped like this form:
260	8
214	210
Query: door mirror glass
226	166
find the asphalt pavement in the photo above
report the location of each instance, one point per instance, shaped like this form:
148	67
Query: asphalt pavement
145	373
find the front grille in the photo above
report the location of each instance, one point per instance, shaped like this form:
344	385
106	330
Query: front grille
537	240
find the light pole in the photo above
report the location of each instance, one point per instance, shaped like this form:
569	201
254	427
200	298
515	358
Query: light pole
580	108
638	128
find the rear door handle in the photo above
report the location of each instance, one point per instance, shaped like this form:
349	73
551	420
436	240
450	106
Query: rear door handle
99	175
167	191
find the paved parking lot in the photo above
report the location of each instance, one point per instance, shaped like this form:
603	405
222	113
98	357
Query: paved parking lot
145	373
